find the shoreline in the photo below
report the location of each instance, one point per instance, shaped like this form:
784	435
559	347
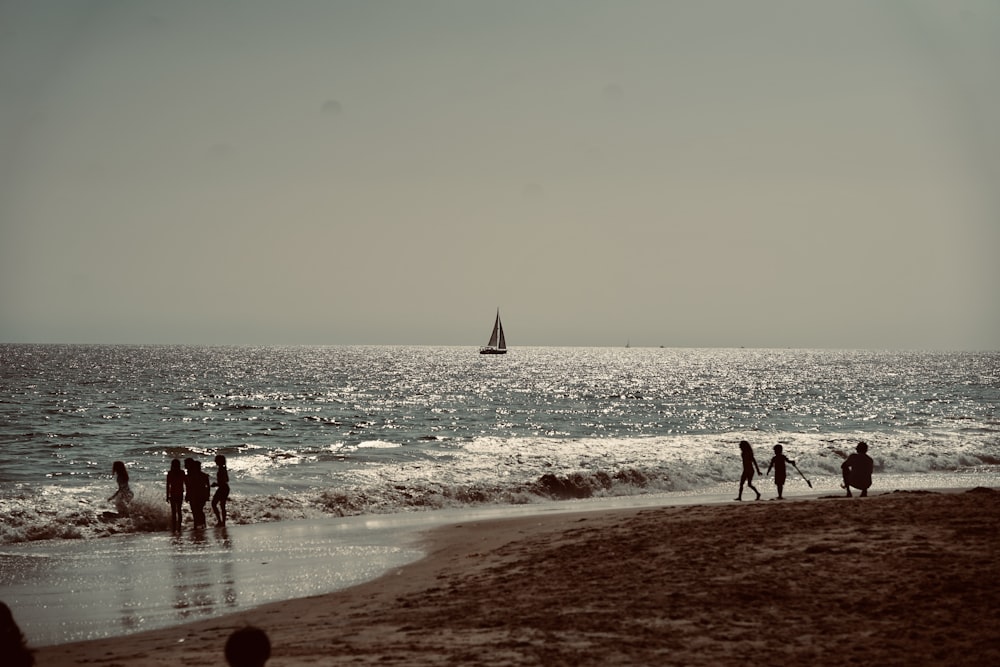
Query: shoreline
896	578
77	590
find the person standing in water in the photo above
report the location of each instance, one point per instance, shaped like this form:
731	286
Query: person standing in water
175	493
222	493
858	470
749	465
124	493
198	487
778	462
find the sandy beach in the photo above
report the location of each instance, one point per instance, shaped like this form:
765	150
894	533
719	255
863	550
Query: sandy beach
902	578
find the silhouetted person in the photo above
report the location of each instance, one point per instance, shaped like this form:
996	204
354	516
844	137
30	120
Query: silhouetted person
14	651
248	647
124	493
198	486
778	462
222	493
175	493
857	470
749	465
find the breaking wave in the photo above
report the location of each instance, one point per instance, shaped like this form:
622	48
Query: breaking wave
496	472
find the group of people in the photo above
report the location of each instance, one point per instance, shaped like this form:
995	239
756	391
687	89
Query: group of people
856	469
194	486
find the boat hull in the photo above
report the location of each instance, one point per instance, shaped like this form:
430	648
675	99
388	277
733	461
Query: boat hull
491	350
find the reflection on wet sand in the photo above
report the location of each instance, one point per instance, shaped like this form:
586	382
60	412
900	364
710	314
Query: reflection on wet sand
71	590
129	605
203	573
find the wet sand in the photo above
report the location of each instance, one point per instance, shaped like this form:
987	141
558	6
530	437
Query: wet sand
902	578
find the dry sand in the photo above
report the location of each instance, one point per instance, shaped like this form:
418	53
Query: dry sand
905	578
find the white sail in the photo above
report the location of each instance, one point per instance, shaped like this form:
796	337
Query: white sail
497	344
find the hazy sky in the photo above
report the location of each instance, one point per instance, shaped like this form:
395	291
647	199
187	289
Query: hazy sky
683	173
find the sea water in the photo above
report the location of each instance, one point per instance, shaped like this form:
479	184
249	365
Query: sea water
370	435
333	431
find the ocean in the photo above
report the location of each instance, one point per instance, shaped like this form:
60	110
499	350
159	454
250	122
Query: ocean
314	432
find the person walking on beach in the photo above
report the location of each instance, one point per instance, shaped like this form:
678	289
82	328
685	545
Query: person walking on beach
175	493
248	647
749	465
222	493
124	493
778	462
858	470
198	486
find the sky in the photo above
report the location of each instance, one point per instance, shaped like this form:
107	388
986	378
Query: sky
717	173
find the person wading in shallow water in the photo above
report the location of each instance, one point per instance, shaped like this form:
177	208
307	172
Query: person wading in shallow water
222	493
198	487
858	470
175	493
124	493
749	465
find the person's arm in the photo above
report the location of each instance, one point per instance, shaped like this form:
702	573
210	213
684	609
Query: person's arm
769	464
756	466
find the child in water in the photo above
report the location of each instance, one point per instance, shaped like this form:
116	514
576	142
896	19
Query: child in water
778	462
222	494
124	493
175	493
196	484
749	464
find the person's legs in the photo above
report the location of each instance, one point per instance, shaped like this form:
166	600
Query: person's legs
198	510
219	505
175	514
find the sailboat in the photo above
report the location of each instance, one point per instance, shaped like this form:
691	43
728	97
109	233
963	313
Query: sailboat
497	344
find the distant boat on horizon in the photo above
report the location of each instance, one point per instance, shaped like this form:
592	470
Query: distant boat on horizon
497	344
